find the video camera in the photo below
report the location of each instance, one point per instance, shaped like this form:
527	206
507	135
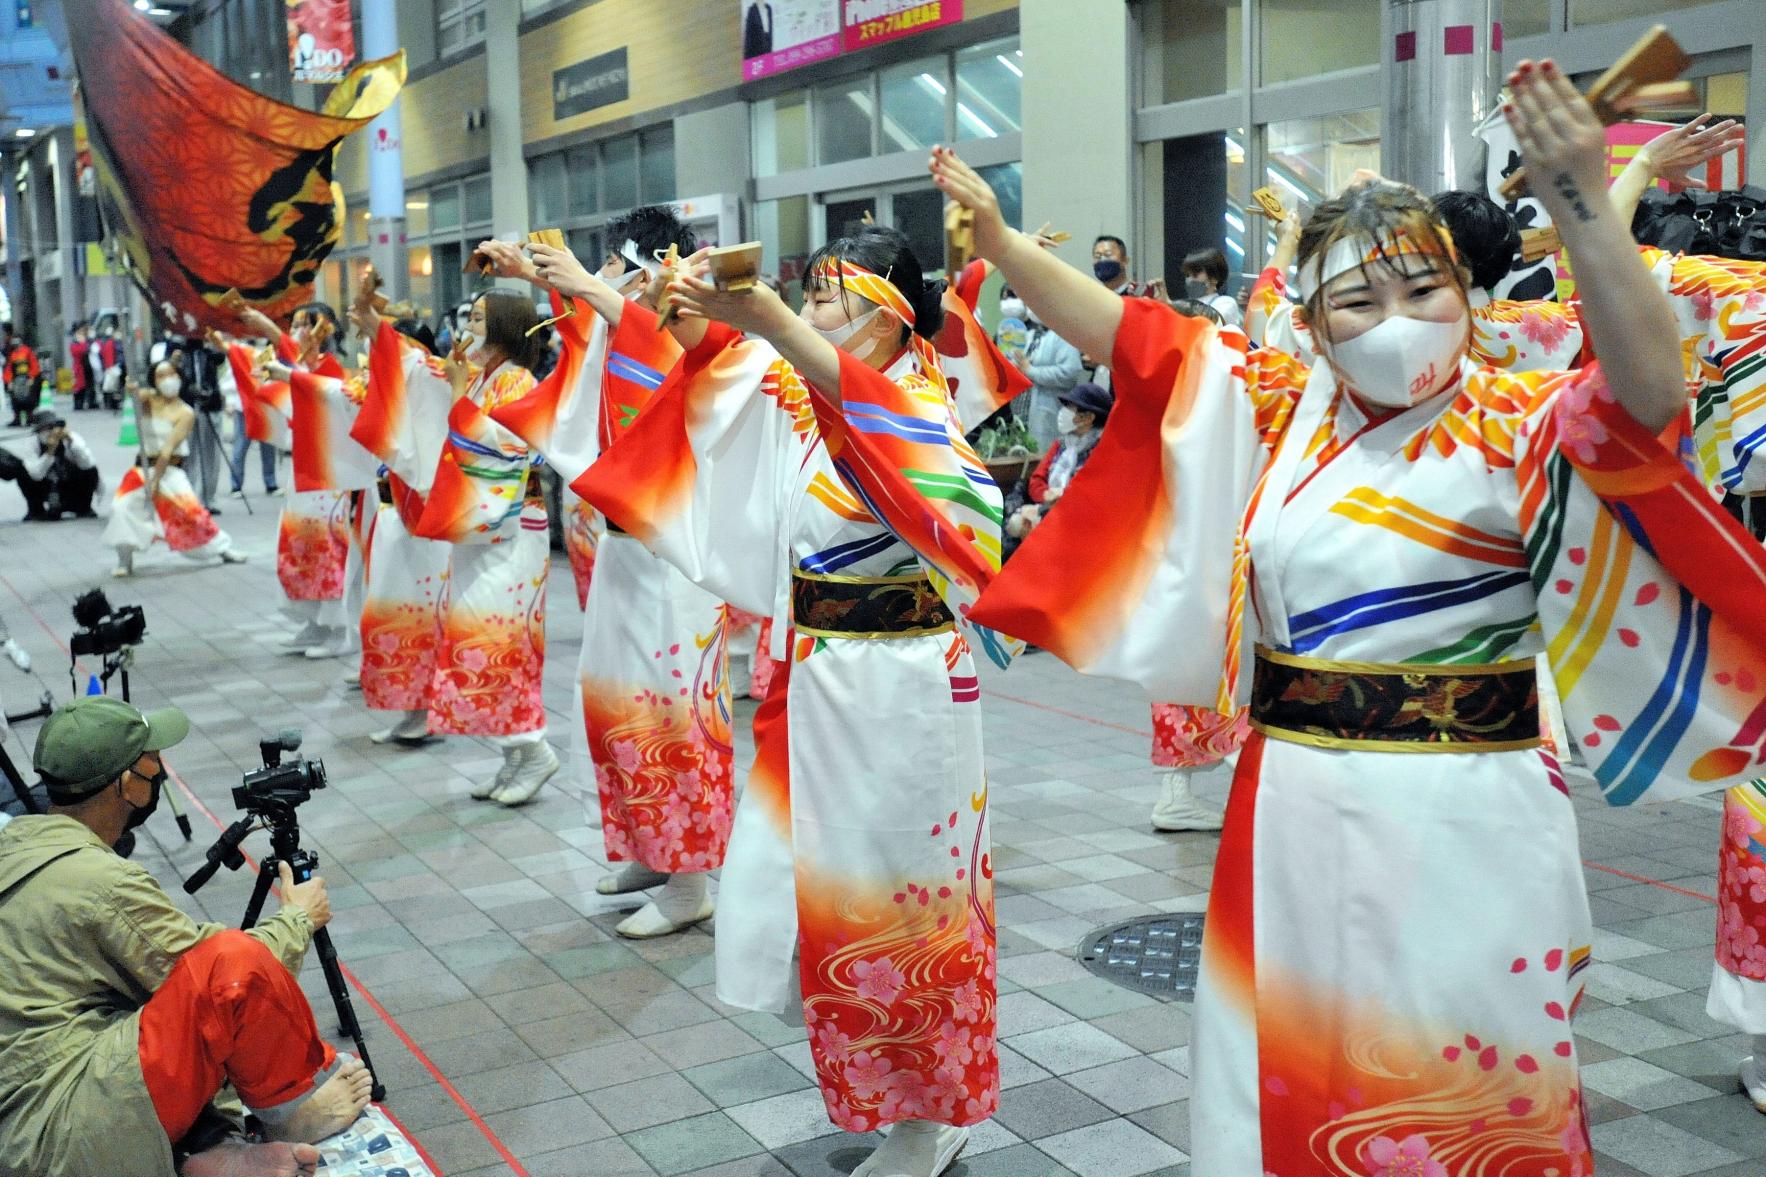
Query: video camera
268	798
105	630
278	784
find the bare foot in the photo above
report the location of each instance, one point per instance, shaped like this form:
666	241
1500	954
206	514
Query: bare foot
327	1111
236	1158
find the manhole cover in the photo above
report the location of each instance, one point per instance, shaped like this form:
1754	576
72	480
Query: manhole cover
1157	954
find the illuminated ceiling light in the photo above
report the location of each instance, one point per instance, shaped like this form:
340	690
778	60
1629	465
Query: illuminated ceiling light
934	83
142	5
976	121
23	133
1003	60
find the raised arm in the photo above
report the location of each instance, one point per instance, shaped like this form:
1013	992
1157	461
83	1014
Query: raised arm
1671	156
560	270
758	311
1287	246
1073	305
1624	312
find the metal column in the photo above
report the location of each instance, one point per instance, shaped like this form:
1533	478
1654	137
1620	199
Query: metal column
1443	62
386	161
15	235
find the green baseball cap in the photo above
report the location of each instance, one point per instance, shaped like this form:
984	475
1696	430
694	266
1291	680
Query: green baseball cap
88	743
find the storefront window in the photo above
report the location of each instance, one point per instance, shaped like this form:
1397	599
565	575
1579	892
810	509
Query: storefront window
1007	182
914	101
1204	196
843	121
581	170
840	217
417	215
783	227
1301	41
420	269
990	88
586	245
546	188
920	217
619	172
444	206
1201	48
1599	12
449	282
781	134
476	194
1313	159
1525	18
656	150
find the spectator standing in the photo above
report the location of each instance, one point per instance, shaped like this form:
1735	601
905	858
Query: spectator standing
78	346
202	392
105	358
61	476
1054	366
22	374
1204	279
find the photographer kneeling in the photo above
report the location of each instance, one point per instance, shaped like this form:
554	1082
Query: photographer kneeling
120	1016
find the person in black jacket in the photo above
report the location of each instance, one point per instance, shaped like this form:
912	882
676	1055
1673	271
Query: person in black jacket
757	30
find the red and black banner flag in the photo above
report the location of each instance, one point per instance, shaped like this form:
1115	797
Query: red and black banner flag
205	185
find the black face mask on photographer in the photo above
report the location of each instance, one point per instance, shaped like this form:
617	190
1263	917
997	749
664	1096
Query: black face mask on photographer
142	812
1107	269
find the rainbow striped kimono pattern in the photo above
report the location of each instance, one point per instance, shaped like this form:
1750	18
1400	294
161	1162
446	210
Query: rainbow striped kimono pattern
861	840
653	679
1397	990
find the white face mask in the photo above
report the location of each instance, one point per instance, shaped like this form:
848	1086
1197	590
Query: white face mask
1402	361
1013	308
838	336
169	386
1065	421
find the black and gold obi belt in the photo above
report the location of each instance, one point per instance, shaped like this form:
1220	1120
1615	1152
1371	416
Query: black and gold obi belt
1395	707
878	608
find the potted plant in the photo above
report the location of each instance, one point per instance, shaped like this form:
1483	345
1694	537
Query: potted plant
1008	450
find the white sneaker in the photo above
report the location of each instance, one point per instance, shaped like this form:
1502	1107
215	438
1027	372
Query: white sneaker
353	680
535	764
125	562
684	900
634	876
232	557
412	729
307	634
1753	1081
915	1148
335	644
17	653
1178	809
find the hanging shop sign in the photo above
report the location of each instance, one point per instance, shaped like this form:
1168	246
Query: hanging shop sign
587	85
778	35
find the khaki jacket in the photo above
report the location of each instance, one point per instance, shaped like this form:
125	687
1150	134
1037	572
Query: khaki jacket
85	939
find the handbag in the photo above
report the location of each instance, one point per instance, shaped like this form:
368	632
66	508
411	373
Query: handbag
1730	223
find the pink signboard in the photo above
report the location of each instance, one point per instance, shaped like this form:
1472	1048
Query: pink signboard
779	35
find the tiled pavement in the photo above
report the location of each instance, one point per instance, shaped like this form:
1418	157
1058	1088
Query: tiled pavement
478	929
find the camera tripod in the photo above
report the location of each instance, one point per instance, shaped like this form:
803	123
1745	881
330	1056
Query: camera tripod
285	845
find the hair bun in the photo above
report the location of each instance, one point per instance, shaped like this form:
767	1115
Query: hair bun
929	308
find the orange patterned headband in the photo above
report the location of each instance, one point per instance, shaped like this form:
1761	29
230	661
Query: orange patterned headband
1354	252
867	285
